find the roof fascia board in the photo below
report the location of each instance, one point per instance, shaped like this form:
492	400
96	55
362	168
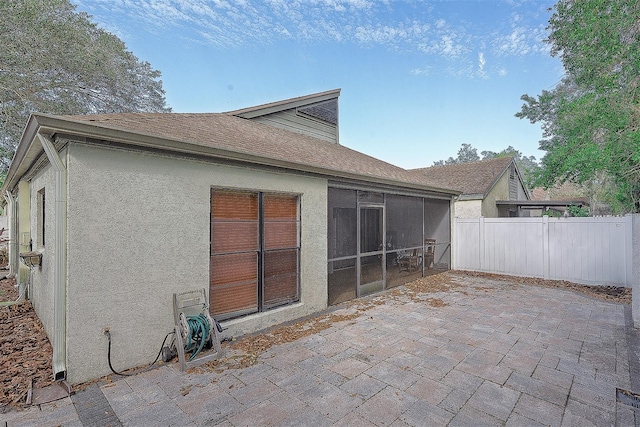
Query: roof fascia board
404	191
464	197
275	107
27	151
540	202
51	125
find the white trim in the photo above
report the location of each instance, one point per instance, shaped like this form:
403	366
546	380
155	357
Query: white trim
60	261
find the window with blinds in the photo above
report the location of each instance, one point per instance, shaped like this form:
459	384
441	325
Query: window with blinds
255	252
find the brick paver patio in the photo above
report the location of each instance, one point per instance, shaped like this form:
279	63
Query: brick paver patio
483	352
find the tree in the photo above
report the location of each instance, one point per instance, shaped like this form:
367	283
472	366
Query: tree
466	153
55	60
591	120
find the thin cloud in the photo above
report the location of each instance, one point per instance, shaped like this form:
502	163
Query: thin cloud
481	64
521	40
230	24
425	71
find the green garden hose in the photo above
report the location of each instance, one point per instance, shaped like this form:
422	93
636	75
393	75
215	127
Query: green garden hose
198	334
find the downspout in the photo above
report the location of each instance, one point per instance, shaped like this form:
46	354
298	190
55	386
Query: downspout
13	233
13	248
60	261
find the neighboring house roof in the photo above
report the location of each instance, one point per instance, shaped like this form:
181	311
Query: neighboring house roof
473	179
565	191
560	196
216	135
540	193
542	204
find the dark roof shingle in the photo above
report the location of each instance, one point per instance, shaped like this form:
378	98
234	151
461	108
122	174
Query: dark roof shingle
471	178
238	135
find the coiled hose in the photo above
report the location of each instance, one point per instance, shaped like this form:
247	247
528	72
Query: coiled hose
198	334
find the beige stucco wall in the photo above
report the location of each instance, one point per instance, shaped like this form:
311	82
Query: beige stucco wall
500	191
468	208
138	230
41	291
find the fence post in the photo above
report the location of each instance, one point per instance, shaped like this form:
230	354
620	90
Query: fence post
635	257
481	244
545	247
628	250
454	244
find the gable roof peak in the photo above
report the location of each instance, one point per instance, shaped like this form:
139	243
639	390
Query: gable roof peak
471	178
285	104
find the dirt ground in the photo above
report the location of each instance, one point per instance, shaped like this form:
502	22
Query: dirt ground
25	351
617	294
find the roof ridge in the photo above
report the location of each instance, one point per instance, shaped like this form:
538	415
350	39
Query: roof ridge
475	162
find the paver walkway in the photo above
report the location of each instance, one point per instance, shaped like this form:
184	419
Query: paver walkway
481	353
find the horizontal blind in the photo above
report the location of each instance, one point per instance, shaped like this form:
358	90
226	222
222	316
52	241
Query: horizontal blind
234	253
281	245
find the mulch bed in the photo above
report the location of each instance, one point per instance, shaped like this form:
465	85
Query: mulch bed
25	351
617	294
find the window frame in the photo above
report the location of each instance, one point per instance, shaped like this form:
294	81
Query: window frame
41	218
262	252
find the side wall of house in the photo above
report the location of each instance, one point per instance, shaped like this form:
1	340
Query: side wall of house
139	231
500	191
41	290
468	208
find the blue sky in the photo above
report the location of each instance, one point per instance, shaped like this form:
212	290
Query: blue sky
418	78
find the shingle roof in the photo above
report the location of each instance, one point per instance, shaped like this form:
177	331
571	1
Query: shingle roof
471	178
565	191
238	135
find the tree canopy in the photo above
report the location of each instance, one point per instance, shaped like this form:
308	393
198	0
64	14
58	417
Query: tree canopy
590	120
466	153
55	60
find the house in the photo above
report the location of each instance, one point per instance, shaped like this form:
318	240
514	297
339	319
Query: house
262	207
483	185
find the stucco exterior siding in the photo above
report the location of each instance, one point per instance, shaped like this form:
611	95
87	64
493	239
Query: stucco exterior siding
500	191
41	290
468	208
139	230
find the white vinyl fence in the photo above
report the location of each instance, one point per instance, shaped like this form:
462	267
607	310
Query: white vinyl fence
583	250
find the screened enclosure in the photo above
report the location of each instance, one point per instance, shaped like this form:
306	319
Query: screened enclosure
378	240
